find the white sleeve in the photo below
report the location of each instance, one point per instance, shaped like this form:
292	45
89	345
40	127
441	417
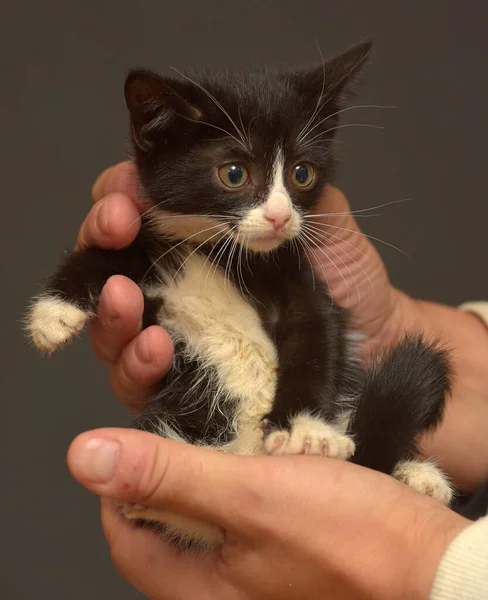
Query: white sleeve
462	573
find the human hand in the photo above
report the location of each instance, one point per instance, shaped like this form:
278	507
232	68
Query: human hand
356	277
296	527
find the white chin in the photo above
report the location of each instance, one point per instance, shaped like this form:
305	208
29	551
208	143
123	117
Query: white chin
263	244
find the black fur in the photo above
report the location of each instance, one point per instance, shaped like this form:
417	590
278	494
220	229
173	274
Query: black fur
180	137
403	396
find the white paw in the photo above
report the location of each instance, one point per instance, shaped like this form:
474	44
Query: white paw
426	478
309	435
51	322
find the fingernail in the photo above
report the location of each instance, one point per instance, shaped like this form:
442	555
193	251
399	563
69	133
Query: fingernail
142	348
103	217
98	459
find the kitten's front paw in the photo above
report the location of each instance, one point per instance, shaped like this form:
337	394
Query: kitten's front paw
52	322
426	478
309	435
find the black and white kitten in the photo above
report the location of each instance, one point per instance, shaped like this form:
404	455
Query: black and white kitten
233	163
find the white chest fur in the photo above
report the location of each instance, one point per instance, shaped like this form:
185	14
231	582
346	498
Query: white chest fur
222	330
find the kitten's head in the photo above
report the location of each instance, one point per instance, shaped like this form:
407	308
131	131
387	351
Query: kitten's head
238	155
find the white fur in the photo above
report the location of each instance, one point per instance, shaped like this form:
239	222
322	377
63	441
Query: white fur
51	322
224	331
256	230
194	229
426	478
309	435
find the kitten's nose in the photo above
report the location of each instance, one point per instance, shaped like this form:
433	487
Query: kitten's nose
278	222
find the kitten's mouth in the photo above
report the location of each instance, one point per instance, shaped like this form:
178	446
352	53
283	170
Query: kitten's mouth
264	242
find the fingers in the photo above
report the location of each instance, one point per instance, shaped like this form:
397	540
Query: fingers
153	567
112	223
351	266
139	359
143	363
142	468
119	320
121	178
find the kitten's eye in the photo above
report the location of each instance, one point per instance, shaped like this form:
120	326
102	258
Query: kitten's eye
233	176
302	175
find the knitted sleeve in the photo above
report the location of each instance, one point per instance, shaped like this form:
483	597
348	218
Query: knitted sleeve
462	573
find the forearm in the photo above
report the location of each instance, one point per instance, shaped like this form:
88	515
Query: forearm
461	443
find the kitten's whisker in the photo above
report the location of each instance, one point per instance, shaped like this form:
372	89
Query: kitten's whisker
249	127
222	233
297	252
177	216
306	249
326	239
371	237
228	266
218	128
217	103
313	241
328	234
322	133
355	212
329	241
215	263
247	138
179	244
348	108
318	242
304	132
242	274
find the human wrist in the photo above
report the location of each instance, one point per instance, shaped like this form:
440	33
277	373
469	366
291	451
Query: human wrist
428	529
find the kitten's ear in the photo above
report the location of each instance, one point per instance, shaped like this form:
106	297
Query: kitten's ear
338	73
154	104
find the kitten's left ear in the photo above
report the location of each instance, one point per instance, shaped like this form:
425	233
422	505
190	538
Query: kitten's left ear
155	103
337	74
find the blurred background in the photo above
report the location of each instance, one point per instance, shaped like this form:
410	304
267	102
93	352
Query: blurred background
64	120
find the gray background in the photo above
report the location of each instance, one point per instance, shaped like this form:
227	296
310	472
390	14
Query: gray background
63	120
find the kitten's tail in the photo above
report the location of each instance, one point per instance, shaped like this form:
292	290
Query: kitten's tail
404	395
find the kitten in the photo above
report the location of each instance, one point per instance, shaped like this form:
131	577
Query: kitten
233	163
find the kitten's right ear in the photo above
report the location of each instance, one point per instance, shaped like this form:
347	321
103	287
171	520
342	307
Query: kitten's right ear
154	104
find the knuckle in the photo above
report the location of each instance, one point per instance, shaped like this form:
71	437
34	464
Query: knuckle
98	188
122	178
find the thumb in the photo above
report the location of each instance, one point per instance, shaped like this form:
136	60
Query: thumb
143	468
351	266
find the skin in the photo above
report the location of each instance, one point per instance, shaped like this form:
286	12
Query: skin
376	520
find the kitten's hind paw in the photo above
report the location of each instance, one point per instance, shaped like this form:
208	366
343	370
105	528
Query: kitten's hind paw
426	478
185	533
308	435
51	322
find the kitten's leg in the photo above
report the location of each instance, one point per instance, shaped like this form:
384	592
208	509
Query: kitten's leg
71	295
311	352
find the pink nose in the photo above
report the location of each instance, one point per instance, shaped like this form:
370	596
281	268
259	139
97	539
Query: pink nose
278	222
